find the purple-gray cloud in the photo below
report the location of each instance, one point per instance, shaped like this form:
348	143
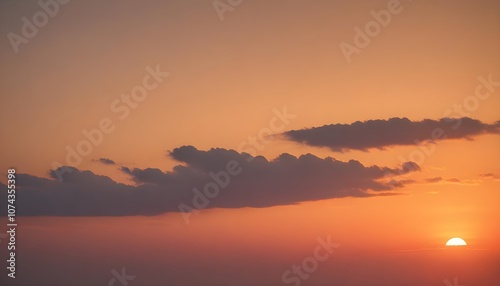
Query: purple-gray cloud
394	131
106	161
259	183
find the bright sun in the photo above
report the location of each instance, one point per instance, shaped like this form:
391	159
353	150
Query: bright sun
456	241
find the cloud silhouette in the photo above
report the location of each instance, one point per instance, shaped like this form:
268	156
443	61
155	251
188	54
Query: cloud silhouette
255	182
394	131
457	181
106	161
492	176
434	180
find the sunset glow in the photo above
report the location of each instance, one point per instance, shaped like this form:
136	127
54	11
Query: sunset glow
249	143
456	241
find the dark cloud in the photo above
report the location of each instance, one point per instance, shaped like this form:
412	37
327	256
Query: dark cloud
106	161
395	131
242	180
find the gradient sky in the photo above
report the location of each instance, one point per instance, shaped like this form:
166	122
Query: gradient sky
226	80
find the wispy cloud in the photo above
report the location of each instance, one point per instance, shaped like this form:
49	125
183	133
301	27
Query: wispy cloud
105	161
440	180
490	176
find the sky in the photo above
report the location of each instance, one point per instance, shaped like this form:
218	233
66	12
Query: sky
238	142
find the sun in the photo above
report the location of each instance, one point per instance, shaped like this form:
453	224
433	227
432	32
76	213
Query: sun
456	241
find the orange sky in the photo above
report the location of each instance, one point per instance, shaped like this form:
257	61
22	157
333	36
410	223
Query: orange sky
225	78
